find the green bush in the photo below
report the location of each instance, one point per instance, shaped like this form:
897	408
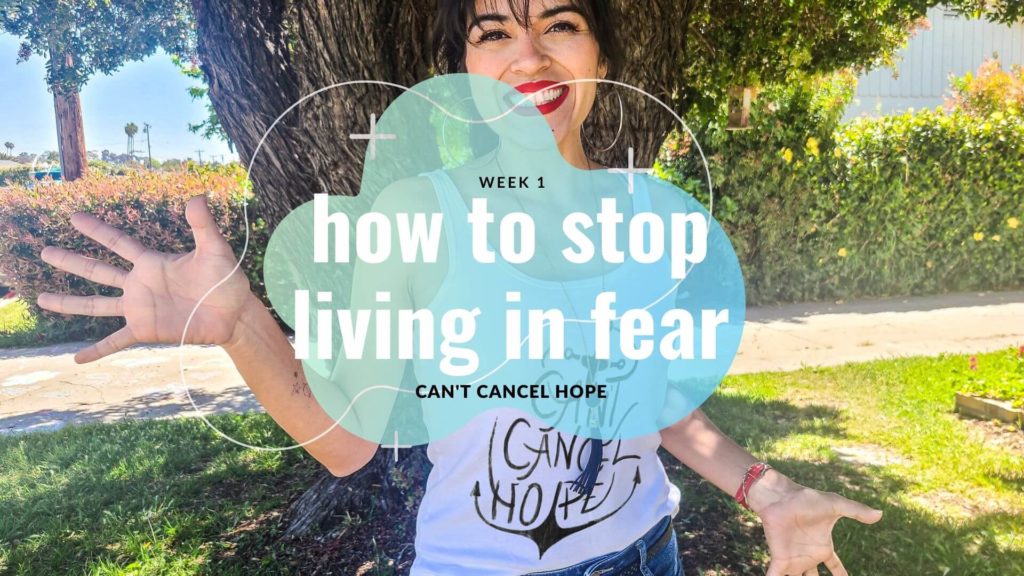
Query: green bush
990	90
23	175
15	176
147	205
899	205
107	168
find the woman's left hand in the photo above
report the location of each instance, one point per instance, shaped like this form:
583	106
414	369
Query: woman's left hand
798	524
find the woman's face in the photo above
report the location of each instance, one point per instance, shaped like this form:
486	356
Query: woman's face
557	46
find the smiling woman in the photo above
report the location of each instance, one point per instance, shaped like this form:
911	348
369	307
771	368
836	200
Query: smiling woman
549	49
533	46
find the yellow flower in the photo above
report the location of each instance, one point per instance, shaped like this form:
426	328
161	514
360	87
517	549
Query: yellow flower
842	252
812	146
1012	222
929	264
837	152
978	236
787	155
996	238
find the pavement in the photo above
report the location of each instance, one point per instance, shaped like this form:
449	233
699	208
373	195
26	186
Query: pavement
43	388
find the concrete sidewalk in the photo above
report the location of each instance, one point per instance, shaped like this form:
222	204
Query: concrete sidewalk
43	388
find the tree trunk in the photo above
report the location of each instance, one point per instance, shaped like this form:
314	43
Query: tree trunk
261	56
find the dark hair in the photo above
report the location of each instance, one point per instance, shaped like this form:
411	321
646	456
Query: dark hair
451	29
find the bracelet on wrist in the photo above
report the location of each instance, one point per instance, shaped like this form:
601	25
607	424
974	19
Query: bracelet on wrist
754	473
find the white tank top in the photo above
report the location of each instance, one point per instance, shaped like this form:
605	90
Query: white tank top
498	499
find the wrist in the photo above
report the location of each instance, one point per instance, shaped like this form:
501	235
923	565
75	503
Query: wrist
248	320
771	488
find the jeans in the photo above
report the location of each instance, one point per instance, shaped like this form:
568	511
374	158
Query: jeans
633	560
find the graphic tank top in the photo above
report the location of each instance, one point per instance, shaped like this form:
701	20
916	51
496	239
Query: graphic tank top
498	499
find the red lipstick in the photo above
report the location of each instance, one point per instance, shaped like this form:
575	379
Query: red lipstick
551	104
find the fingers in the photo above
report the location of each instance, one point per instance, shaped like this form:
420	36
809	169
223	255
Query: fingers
83	305
204	228
859	512
835	566
119	340
122	244
775	569
88	268
811	572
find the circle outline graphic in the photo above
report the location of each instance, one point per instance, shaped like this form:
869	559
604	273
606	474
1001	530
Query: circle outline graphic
245	245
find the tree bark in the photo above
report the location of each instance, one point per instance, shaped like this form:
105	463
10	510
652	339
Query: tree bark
261	56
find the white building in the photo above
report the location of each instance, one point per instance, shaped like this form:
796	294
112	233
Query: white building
953	45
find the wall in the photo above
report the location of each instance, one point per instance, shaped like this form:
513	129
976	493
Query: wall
953	45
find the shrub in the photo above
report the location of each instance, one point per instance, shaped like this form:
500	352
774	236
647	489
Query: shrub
990	90
916	203
106	168
147	205
13	176
762	180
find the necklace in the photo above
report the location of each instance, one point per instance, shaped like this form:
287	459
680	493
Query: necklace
584	483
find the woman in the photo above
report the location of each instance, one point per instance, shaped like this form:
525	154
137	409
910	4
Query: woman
522	44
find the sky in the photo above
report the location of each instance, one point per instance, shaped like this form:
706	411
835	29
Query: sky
152	90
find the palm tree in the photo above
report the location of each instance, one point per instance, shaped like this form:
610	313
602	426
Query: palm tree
10	147
131	129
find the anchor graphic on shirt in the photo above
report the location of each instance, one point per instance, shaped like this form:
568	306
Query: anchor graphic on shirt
549	532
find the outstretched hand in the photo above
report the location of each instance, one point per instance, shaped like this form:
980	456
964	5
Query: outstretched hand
161	289
798	527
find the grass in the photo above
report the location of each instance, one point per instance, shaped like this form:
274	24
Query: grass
145	497
882	433
18	326
23	326
1000	377
170	497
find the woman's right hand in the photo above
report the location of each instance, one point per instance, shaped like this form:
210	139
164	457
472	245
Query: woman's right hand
161	289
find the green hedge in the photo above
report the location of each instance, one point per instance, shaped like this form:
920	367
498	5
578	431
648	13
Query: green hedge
147	205
15	176
23	175
916	203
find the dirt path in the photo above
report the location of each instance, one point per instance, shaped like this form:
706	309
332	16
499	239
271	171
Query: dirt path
43	388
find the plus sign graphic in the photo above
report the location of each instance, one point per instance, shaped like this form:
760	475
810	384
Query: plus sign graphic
396	446
373	136
631	171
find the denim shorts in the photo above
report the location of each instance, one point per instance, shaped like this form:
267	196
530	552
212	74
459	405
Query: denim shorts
633	560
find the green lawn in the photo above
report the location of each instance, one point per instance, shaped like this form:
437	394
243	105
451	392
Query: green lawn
882	433
24	326
18	326
171	497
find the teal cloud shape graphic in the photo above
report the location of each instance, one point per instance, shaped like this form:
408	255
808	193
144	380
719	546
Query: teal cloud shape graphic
477	270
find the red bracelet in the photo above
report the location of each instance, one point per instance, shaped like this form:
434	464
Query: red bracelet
754	473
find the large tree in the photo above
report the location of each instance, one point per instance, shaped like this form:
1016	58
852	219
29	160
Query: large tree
82	37
261	56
